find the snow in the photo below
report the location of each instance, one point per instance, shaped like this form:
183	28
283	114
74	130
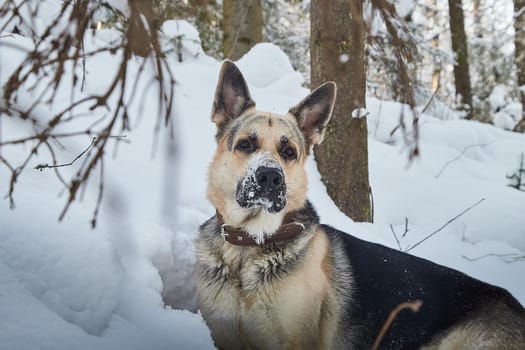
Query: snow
505	114
182	30
405	7
344	58
359	113
67	286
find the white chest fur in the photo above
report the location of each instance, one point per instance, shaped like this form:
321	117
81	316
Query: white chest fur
266	299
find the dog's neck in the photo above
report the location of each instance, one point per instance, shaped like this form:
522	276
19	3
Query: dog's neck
288	227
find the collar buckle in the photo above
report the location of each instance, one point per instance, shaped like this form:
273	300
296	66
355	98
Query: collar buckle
224	235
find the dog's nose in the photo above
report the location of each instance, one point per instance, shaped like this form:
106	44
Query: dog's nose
269	178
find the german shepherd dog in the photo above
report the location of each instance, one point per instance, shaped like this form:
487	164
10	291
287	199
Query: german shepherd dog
270	276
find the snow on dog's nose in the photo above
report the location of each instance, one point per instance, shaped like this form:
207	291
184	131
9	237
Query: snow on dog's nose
263	185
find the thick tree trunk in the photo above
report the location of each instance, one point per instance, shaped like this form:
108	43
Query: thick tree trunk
140	26
459	46
337	48
242	26
519	55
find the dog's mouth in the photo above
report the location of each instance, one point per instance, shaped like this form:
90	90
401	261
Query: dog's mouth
265	188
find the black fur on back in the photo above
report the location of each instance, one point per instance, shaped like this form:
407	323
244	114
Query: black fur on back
383	278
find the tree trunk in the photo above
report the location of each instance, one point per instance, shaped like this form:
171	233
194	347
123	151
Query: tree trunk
242	26
139	34
207	24
337	43
436	61
519	55
459	46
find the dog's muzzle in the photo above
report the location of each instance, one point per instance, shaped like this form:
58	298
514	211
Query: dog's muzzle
265	188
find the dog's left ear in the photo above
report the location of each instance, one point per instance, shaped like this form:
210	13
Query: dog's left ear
314	112
232	97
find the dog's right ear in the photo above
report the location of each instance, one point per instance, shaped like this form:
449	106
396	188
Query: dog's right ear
314	112
232	97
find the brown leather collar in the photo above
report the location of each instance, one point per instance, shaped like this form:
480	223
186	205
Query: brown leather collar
288	230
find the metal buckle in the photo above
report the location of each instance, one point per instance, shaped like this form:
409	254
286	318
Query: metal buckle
223	233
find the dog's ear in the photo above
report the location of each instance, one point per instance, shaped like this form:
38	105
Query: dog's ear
314	112
232	97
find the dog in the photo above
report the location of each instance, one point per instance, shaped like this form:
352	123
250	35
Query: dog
270	276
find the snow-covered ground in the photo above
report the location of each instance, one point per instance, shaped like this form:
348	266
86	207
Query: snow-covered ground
66	286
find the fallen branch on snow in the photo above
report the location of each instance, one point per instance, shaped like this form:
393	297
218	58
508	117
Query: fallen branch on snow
459	156
444	225
508	258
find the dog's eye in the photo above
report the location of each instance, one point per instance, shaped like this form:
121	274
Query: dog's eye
245	146
288	153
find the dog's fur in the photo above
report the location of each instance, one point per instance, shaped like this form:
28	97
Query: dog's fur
323	289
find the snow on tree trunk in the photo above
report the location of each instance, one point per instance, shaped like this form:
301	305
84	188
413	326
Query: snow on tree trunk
242	26
337	49
459	46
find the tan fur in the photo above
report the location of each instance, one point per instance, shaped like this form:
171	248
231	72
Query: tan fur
476	336
300	301
494	327
287	314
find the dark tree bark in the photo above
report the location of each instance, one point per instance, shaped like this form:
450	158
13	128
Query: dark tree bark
459	46
337	48
138	35
242	26
519	55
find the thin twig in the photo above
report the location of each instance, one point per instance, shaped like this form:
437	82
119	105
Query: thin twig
47	166
430	100
371	204
444	225
412	305
406	227
459	156
395	236
508	258
83	83
100	193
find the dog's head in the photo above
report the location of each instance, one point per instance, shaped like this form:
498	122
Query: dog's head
257	174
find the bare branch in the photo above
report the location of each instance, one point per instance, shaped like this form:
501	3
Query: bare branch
395	236
459	156
404	49
508	258
47	166
430	100
406	228
100	193
58	59
445	224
